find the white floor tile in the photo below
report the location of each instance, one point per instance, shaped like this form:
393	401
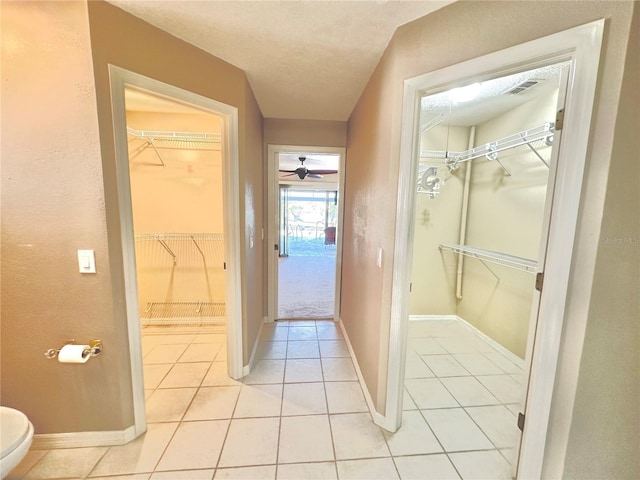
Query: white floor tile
210	338
133	476
264	472
165	354
183	475
356	436
506	365
67	463
305	439
468	391
426	467
416	368
444	365
168	405
274	334
302	333
308	471
200	352
497	423
213	403
30	459
251	441
482	465
303	370
414	437
407	402
477	364
188	450
345	397
429	393
458	344
303	399
455	430
329	331
505	388
333	348
303	349
217	376
167	339
266	371
371	469
140	455
338	370
154	374
481	345
272	351
425	346
185	375
259	401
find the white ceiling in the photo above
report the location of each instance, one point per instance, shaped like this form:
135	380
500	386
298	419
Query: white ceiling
305	59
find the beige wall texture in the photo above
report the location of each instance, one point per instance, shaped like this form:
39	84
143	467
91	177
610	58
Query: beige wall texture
372	172
59	195
433	273
123	40
184	196
505	215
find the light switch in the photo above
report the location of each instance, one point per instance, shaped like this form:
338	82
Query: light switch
379	258
86	261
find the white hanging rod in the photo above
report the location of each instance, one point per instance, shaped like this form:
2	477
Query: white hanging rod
497	258
175	136
491	149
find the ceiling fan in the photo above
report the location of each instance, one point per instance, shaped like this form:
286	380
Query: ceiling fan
302	172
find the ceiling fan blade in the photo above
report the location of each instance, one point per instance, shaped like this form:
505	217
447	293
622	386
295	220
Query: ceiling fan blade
323	172
290	175
313	175
288	171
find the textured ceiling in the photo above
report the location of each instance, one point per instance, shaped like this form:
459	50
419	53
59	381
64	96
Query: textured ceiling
304	59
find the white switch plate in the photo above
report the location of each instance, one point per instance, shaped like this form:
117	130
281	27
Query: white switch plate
86	261
379	258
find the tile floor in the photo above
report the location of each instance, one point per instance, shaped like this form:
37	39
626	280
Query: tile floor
301	413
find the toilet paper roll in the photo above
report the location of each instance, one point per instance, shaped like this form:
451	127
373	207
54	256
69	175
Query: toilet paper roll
73	354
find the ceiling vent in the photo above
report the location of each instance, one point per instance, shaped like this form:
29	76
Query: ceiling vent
526	85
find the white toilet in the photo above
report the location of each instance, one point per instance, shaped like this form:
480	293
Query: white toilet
16	434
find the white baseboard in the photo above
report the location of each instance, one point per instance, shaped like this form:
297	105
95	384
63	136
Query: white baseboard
512	357
421	318
49	441
378	418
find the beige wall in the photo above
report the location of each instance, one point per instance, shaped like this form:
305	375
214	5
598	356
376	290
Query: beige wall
309	133
156	54
52	205
433	273
505	215
184	196
373	147
59	195
605	428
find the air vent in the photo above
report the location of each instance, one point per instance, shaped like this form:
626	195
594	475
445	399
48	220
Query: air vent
526	85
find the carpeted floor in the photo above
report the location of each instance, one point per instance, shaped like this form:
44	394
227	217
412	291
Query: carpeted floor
306	280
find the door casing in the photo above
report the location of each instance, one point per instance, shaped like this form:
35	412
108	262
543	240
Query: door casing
273	221
581	46
121	79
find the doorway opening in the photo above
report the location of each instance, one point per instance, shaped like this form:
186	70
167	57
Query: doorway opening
177	183
491	260
305	217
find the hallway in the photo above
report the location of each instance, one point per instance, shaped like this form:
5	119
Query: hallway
301	413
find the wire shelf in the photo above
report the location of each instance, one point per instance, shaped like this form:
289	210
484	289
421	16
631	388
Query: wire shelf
497	258
178	140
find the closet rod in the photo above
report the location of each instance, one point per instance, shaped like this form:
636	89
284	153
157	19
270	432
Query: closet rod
175	136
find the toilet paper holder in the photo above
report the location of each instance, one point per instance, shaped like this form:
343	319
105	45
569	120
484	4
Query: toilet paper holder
95	347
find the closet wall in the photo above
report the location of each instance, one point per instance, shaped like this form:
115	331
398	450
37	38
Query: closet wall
183	197
505	214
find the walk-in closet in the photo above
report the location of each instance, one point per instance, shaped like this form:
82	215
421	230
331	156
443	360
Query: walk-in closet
486	159
176	189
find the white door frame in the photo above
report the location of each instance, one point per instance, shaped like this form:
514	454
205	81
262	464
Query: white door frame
580	46
273	221
121	79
